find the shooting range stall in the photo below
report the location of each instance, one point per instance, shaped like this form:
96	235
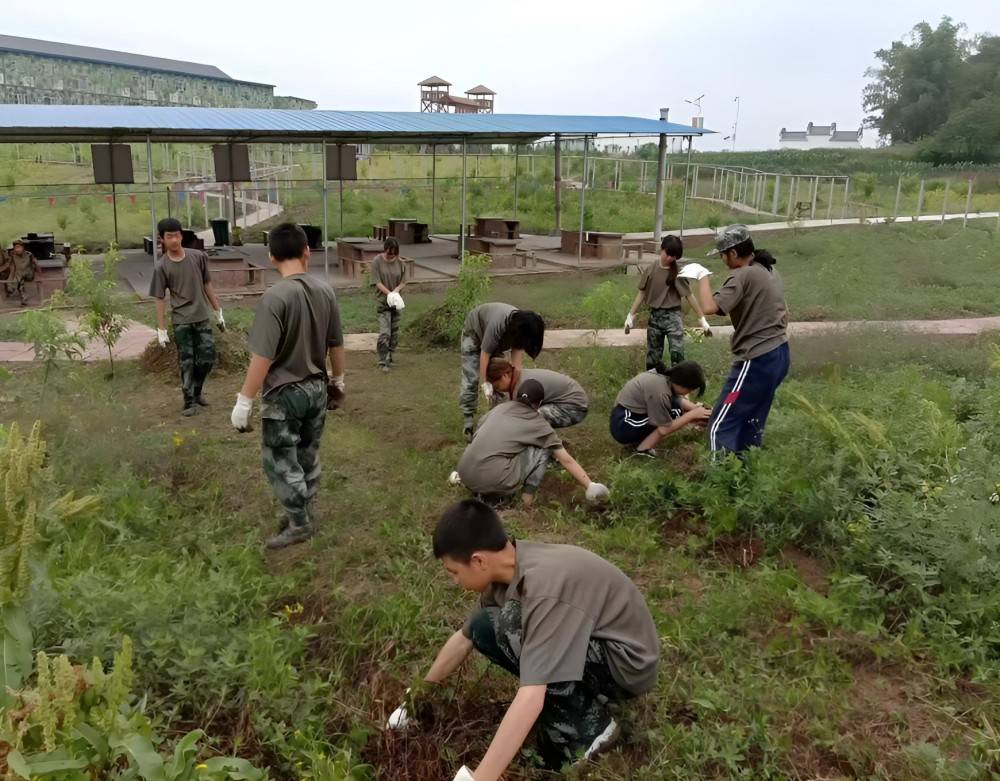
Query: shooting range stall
338	133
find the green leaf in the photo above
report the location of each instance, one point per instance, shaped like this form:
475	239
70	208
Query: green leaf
237	769
43	764
184	754
94	738
15	651
140	748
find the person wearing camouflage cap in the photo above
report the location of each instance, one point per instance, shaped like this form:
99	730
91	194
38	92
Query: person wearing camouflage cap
754	298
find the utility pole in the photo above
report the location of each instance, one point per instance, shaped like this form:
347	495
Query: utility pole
736	123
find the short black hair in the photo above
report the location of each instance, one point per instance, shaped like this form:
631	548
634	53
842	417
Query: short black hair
169	225
287	242
531	393
390	245
673	246
744	249
527	331
467	527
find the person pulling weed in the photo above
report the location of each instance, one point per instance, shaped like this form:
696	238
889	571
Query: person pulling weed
184	273
654	405
564	403
662	287
570	625
20	267
491	330
511	450
754	298
296	328
387	278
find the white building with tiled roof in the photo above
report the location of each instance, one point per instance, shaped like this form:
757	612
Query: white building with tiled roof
819	137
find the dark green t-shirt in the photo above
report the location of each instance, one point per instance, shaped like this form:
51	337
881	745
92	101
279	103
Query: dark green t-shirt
295	323
658	291
487	324
754	299
186	280
388	273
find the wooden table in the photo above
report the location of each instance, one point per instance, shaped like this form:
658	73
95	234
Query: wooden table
355	254
234	273
604	245
501	251
406	230
497	228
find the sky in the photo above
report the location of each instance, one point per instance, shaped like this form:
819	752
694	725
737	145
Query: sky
789	62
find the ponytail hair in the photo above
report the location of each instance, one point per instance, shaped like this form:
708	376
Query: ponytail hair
764	258
686	373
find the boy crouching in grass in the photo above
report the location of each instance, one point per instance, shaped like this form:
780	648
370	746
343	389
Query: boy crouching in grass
296	327
570	625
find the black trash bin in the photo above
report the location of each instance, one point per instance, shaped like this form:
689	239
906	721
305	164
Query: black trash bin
314	235
220	230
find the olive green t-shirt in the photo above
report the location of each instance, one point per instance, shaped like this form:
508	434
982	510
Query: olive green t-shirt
186	280
388	273
487	324
559	389
489	463
650	395
659	292
24	264
754	299
568	597
294	325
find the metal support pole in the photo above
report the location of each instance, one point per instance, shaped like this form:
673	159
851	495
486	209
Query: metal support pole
583	203
777	193
694	184
687	177
812	214
920	199
326	219
114	204
968	204
517	149
661	168
461	233
829	206
340	167
557	174
899	192
847	192
944	203
434	188
152	197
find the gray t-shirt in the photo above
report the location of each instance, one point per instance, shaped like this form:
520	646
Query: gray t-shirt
569	596
649	395
388	273
559	389
659	293
489	463
186	280
754	299
295	323
487	324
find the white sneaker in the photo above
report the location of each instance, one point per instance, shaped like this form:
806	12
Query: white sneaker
604	741
454	479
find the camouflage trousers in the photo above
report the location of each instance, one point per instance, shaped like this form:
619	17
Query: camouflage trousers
388	333
15	284
468	396
575	712
195	356
562	415
292	420
668	323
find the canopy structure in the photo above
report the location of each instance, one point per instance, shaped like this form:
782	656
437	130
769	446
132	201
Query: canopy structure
30	123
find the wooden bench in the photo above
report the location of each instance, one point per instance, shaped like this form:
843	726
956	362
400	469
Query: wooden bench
380	232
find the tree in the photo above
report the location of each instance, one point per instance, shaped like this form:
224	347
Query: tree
51	340
915	88
104	310
971	134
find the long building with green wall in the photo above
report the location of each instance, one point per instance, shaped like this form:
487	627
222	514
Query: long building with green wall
36	71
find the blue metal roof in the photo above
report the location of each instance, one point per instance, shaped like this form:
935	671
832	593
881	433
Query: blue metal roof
166	123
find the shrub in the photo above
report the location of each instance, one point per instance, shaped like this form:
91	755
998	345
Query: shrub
51	340
443	324
104	308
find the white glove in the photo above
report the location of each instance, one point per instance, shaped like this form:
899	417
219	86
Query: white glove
395	300
399	718
454	479
705	325
630	321
464	774
488	390
220	320
241	413
693	271
597	492
162	337
338	382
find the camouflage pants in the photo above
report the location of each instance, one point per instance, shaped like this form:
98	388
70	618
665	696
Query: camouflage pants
667	323
562	415
468	397
292	419
195	356
15	284
575	712
388	333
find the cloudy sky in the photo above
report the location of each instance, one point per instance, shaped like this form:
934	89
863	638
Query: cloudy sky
790	62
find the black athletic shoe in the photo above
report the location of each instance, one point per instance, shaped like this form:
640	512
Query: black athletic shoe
290	535
467	433
190	411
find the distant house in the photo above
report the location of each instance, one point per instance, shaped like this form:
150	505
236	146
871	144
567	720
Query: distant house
819	137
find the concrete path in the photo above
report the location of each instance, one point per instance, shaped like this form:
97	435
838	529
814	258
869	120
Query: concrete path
138	336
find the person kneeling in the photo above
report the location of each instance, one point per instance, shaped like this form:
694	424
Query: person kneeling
511	450
565	401
652	405
570	625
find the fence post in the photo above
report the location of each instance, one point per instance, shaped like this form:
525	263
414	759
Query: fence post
968	204
899	191
715	175
812	214
777	193
944	202
847	191
920	199
829	206
694	183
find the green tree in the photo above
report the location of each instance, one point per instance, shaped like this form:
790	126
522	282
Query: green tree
103	308
971	134
51	340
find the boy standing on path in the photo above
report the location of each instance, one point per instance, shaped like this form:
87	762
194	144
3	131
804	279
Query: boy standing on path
387	278
296	327
184	272
21	267
570	625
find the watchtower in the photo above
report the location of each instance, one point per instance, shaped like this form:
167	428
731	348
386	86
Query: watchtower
483	97
434	95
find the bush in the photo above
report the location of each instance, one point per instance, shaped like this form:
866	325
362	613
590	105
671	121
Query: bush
442	325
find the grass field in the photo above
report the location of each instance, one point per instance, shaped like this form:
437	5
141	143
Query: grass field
829	612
